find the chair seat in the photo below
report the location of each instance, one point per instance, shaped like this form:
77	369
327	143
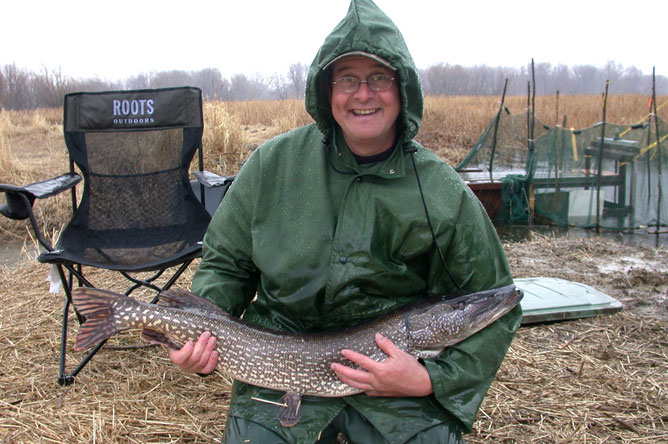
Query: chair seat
126	259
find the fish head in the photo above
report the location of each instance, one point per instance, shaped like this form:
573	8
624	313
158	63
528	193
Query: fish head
449	321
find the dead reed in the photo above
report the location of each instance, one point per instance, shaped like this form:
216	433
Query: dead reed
597	380
224	141
114	402
452	125
32	146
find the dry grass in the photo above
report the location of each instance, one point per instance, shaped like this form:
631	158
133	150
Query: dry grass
597	380
452	125
224	140
123	396
267	112
32	147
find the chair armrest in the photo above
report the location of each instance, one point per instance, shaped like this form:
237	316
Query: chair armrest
51	187
210	180
20	199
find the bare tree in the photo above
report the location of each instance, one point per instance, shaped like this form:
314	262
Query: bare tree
212	83
140	81
51	87
2	90
169	79
297	76
280	87
16	92
22	89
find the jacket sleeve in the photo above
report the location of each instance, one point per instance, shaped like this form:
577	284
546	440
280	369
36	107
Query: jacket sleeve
462	374
227	275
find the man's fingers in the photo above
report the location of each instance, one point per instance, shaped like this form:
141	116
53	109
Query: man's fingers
211	364
355	378
200	347
386	344
199	357
398	375
179	357
201	354
363	361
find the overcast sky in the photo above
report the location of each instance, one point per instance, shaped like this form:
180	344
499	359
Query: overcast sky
113	40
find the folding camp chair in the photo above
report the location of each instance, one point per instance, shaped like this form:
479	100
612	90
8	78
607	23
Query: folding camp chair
139	211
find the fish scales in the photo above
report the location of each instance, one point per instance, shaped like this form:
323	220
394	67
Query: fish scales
293	363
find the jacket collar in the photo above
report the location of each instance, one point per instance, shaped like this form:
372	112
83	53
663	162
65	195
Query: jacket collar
344	160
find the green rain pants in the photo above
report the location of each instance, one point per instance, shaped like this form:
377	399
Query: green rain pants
349	422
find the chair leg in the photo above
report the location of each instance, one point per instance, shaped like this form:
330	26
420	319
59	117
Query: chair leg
66	379
148	283
63	378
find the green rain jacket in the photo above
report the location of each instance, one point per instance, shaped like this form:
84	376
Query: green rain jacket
308	240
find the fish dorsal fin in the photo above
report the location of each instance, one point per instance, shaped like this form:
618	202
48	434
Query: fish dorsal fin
185	300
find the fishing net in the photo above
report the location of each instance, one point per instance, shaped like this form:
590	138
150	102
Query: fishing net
609	176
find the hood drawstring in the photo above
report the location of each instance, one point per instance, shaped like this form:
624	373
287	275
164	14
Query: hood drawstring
325	144
409	148
412	149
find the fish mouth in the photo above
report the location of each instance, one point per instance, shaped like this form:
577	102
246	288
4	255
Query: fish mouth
500	305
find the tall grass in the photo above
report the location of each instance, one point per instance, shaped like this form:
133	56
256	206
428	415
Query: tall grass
12	170
452	125
291	113
224	140
32	146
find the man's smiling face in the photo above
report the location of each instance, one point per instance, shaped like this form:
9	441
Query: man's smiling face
367	118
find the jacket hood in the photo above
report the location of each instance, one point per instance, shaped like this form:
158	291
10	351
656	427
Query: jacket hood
365	28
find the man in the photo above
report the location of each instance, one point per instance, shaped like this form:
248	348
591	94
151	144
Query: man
334	223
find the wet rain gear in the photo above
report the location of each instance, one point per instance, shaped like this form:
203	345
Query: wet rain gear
307	240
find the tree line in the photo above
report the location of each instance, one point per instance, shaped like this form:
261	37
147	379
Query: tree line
24	89
445	79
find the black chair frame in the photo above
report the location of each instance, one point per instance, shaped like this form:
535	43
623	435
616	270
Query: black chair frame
180	111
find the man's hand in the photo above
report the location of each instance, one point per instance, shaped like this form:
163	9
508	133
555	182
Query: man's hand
399	375
200	357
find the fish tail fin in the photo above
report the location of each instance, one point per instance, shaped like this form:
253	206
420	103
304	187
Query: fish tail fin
97	307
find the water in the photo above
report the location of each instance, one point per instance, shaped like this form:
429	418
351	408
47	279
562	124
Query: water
12	253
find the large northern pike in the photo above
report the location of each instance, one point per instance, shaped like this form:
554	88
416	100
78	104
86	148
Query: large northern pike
298	364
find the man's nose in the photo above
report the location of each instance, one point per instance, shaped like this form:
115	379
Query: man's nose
364	90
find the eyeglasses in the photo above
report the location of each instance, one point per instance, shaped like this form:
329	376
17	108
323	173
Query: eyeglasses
350	85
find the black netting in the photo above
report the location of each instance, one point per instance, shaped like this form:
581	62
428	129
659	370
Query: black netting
142	152
138	211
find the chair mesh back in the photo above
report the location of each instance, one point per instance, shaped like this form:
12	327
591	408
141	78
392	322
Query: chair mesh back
140	192
138	210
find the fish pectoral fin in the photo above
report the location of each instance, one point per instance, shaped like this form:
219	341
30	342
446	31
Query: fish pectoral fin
158	338
289	412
